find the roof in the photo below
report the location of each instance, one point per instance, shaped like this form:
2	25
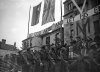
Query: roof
8	47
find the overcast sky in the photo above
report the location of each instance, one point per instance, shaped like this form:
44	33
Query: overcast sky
14	20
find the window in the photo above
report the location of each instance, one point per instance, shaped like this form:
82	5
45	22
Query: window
71	52
27	43
48	40
0	44
66	6
70	6
95	2
97	27
30	42
57	39
24	45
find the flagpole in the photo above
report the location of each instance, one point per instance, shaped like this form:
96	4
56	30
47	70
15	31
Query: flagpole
61	8
29	21
61	30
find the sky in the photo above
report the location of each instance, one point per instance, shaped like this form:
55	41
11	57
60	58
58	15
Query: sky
14	15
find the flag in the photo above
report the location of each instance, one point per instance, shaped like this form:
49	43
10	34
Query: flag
36	14
48	12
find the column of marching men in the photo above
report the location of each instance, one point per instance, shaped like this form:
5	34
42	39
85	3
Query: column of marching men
81	56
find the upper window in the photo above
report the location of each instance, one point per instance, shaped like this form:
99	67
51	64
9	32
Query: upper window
48	40
24	44
70	6
97	27
31	42
27	44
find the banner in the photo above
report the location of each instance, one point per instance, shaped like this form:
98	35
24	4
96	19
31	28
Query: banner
36	14
48	12
53	27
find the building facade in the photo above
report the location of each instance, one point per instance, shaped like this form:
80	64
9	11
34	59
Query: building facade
85	25
48	36
32	42
74	25
7	48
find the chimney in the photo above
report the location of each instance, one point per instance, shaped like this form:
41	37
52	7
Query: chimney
14	44
3	41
